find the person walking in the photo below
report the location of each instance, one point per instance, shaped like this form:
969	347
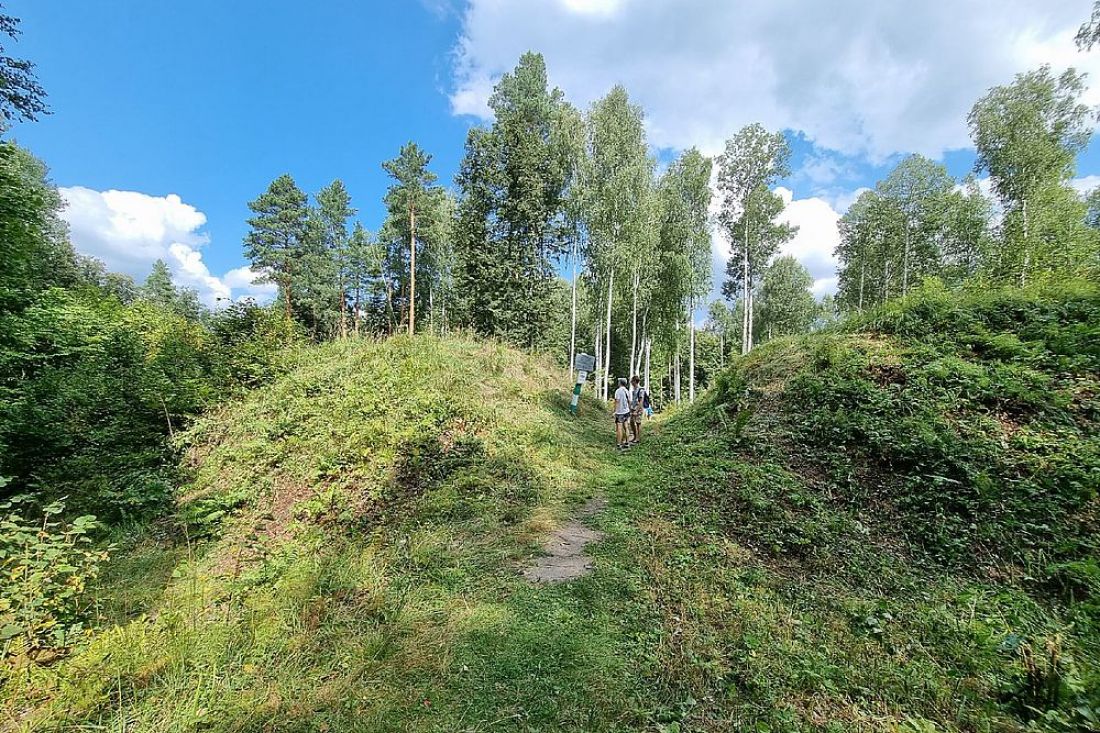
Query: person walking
622	415
639	403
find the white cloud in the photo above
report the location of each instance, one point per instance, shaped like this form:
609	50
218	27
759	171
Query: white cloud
860	77
129	231
813	245
816	239
1085	184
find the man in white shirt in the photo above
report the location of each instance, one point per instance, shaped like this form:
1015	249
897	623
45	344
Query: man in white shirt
622	414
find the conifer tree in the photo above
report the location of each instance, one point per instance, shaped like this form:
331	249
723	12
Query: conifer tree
279	236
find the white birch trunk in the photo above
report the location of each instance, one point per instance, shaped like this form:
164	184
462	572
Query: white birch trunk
573	313
691	352
676	373
607	336
634	325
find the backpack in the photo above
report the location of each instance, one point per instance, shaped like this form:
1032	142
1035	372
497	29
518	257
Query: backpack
645	398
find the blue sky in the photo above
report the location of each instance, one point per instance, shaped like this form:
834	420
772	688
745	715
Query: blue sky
190	109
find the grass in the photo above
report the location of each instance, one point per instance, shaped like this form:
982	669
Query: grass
346	555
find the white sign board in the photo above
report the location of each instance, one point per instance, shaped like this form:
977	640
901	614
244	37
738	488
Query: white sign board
584	363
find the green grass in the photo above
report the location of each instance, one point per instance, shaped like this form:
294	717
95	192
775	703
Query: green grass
346	555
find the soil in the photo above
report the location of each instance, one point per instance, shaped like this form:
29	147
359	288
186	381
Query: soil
565	557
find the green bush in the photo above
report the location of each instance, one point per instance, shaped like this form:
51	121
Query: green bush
45	566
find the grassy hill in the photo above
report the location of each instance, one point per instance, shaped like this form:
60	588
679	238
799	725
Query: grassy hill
889	527
895	523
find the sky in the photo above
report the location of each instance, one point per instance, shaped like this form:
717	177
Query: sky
167	118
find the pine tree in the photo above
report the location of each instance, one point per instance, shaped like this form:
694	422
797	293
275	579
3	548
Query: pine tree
334	212
279	236
512	222
414	206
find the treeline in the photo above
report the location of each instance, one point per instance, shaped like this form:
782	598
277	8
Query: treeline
563	233
920	223
543	191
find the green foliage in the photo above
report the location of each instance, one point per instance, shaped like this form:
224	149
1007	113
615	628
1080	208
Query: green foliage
787	306
21	96
46	564
419	215
894	520
511	215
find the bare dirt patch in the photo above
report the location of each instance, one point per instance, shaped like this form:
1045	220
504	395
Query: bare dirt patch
565	557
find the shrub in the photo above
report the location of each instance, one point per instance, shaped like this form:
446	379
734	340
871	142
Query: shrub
45	565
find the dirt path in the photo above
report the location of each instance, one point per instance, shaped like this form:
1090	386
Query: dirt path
565	557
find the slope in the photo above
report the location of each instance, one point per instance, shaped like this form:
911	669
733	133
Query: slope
893	525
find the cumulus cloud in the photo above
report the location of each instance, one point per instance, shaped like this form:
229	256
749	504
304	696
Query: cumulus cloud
1085	184
813	245
129	231
860	77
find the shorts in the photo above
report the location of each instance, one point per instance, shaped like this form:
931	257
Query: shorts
637	416
623	418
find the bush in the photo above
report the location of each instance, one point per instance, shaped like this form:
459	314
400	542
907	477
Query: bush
45	566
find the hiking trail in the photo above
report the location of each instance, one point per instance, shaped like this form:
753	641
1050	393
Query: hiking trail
565	557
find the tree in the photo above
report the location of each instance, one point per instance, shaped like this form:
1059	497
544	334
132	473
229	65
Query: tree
334	212
161	291
754	159
787	305
364	273
412	194
1027	135
1089	32
684	248
617	186
723	323
967	236
21	96
279	236
512	223
918	189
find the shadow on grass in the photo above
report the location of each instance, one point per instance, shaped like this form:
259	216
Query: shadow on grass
134	580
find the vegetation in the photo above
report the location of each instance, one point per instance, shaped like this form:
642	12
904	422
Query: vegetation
892	525
313	514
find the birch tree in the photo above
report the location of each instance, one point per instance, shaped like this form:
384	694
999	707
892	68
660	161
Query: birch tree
754	159
617	185
1028	134
685	196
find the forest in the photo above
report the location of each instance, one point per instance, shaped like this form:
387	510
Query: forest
877	462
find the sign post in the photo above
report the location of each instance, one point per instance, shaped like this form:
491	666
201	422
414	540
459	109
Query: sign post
583	363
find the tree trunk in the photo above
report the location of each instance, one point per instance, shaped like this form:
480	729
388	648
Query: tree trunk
691	352
412	270
1027	249
648	349
634	323
343	311
676	372
752	308
745	292
573	312
599	358
862	277
358	307
607	336
905	264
